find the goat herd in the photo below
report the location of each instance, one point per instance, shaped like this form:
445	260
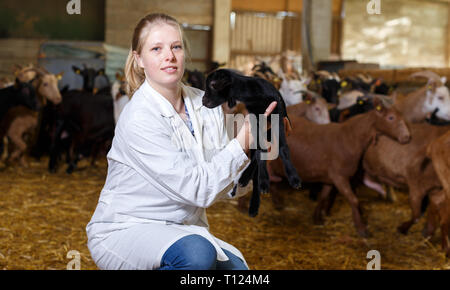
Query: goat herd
38	118
360	130
345	132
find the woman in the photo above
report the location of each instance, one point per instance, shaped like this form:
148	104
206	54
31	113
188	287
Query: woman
170	159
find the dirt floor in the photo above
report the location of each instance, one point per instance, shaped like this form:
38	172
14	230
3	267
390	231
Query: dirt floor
43	216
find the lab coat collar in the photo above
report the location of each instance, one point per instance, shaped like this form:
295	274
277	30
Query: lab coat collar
165	106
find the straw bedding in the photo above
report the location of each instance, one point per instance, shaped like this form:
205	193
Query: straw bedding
43	216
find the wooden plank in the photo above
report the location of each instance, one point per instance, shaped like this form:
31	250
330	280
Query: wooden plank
447	36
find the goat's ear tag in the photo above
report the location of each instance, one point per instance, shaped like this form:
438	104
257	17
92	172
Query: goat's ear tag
430	87
378	108
344	84
361	102
78	71
308	102
319	81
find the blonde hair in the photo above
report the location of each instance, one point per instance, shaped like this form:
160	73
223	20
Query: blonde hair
134	74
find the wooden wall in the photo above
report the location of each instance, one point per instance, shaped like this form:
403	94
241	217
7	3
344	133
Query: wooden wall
123	15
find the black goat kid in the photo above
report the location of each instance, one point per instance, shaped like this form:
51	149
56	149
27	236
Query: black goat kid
257	94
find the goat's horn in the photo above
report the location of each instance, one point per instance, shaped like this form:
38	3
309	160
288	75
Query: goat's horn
363	78
429	75
323	73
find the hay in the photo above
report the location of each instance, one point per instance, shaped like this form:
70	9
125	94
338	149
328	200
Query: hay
43	216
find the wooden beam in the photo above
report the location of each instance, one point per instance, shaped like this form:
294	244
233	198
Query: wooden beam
221	31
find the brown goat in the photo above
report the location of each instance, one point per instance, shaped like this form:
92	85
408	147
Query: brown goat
439	152
404	166
16	123
330	153
418	105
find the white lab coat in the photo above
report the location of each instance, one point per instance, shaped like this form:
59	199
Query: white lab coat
160	174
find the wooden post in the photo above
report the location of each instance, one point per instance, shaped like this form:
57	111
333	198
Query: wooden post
221	31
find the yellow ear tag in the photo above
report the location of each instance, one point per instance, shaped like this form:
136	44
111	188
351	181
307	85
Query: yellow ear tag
430	87
361	102
344	84
58	77
319	81
308	102
78	71
378	108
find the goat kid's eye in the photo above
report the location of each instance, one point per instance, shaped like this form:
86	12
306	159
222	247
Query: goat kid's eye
391	118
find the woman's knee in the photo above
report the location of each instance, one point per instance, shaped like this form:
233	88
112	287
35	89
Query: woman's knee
192	252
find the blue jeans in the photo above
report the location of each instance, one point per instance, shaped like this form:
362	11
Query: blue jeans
194	252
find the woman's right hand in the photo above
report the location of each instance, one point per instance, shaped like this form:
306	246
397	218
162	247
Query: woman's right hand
245	137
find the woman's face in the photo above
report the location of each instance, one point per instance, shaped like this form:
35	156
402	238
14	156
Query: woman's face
162	56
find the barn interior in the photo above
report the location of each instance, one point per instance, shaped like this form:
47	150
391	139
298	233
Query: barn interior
345	52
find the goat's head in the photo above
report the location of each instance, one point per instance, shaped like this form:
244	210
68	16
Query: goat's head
438	100
89	75
48	87
218	87
390	122
437	95
26	94
316	109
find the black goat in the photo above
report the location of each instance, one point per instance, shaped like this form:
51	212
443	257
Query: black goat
89	75
257	94
363	104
